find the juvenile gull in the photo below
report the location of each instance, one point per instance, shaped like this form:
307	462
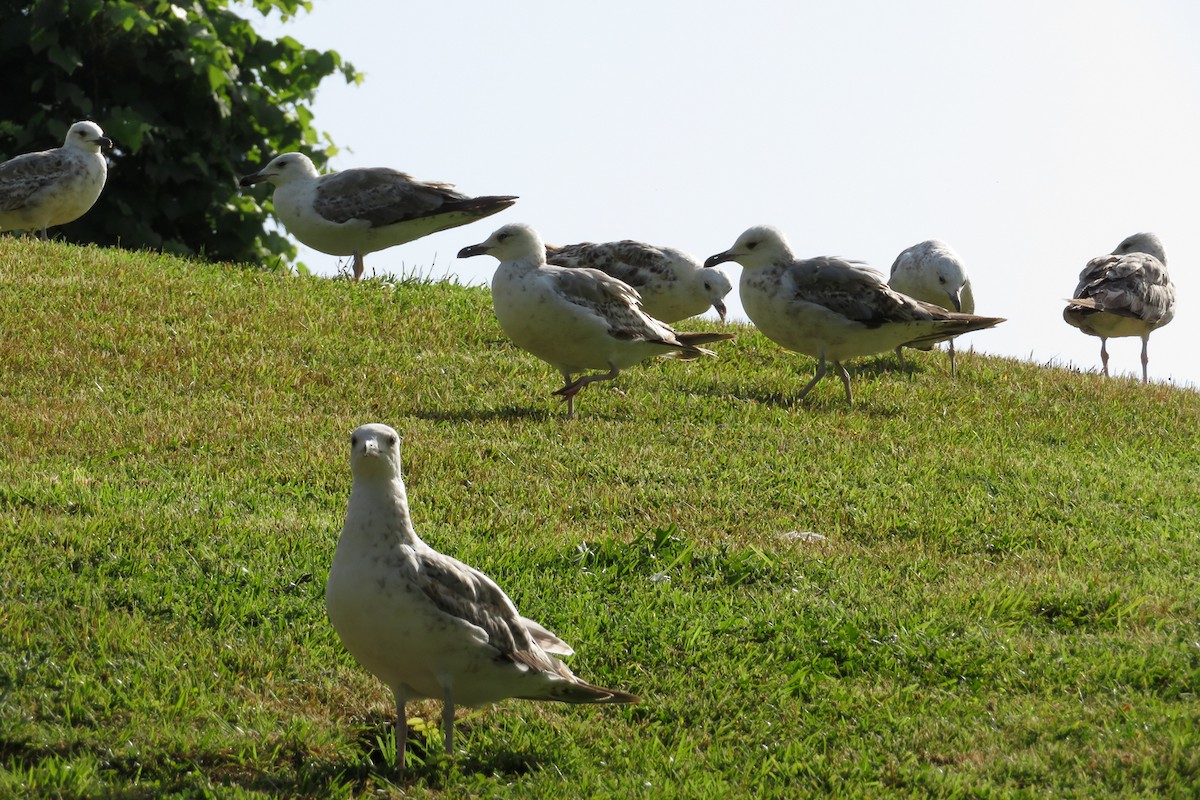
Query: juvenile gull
932	272
1125	293
830	308
54	187
672	284
360	211
426	624
575	319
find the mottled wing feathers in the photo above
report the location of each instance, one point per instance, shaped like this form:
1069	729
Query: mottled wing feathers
25	175
853	291
384	196
635	263
1132	285
467	594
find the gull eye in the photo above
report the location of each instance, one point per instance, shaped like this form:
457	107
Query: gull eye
502	237
751	245
353	440
941	279
392	440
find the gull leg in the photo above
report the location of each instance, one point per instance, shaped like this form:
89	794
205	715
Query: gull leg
900	356
448	721
951	358
359	266
820	374
401	732
845	382
572	388
1145	358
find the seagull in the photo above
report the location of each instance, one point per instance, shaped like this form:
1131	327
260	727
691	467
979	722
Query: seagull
54	187
932	272
672	283
426	624
1125	293
831	308
575	319
360	211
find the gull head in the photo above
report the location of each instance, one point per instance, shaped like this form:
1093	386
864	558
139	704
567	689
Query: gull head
282	170
88	137
375	452
1148	243
513	242
715	284
757	247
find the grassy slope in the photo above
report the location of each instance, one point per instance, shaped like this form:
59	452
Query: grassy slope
1006	604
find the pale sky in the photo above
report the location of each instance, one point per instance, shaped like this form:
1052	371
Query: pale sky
1031	135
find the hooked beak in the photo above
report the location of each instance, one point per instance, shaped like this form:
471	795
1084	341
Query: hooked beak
720	307
474	250
104	142
719	258
255	177
957	300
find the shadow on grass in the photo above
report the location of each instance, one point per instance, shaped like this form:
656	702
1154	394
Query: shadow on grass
485	415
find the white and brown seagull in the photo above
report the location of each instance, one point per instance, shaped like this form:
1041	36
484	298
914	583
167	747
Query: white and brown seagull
930	271
575	319
362	210
673	285
1125	293
830	308
426	624
53	187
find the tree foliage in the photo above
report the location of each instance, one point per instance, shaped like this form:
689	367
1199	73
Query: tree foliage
192	96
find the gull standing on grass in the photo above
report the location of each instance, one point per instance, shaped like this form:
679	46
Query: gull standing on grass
575	319
360	211
1125	293
426	624
54	187
932	272
830	308
672	284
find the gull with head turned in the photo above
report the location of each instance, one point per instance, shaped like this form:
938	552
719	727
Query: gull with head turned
426	624
1125	293
575	319
672	284
53	187
830	308
930	271
360	211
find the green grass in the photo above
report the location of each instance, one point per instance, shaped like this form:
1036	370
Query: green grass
1007	603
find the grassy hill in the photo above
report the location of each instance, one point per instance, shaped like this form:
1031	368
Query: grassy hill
1006	602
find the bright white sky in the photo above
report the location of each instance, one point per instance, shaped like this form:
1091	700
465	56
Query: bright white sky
1030	135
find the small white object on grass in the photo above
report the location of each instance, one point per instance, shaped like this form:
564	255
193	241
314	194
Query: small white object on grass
1125	293
360	211
426	624
54	187
672	284
575	319
932	272
831	308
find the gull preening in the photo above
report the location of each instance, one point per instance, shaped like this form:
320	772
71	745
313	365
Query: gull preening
1125	293
426	624
575	319
54	187
932	272
673	285
831	308
360	211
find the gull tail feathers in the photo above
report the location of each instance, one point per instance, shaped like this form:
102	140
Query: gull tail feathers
691	345
955	325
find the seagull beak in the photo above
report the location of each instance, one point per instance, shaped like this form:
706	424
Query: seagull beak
720	307
955	297
253	178
719	258
474	250
104	142
370	448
